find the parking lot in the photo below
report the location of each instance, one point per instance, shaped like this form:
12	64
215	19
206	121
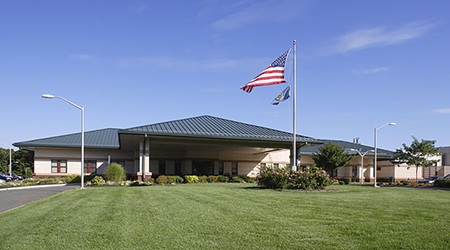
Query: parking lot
15	197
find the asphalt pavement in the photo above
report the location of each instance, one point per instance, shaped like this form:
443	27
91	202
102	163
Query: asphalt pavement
11	198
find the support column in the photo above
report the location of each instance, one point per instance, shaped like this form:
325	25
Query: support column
144	159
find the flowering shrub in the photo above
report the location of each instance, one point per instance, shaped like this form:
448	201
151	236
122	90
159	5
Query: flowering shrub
285	178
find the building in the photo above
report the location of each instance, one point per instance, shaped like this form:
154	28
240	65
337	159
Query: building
203	145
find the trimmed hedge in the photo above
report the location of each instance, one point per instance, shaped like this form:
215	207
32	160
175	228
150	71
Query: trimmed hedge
442	183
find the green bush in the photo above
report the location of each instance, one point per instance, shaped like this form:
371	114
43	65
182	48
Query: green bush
212	179
442	183
97	181
280	178
345	181
203	179
191	179
115	173
171	179
236	179
162	179
222	178
179	179
248	179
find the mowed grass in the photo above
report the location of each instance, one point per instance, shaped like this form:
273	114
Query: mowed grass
231	216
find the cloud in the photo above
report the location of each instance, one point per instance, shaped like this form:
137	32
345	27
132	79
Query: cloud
442	111
380	36
377	70
82	57
258	12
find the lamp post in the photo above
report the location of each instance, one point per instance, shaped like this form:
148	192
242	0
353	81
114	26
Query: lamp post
362	161
375	149
49	96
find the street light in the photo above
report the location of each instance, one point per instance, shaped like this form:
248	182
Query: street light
49	96
375	149
362	162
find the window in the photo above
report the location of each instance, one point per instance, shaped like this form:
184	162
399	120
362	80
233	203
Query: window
221	168
178	168
276	165
59	166
90	167
162	167
234	168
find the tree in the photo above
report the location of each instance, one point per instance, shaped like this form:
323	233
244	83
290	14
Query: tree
21	160
418	154
330	157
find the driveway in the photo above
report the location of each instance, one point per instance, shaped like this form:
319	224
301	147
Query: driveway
15	197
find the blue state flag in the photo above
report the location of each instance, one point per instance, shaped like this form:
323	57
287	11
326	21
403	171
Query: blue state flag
282	96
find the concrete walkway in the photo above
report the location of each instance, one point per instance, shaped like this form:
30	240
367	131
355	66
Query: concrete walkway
14	197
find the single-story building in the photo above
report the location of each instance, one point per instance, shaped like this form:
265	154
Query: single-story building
203	145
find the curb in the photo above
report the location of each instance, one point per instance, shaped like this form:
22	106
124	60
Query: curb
34	186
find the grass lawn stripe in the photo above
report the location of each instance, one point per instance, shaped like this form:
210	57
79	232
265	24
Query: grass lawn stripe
231	216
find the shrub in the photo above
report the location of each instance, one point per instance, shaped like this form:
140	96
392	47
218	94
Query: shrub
115	172
280	178
236	179
212	178
345	181
149	181
179	179
191	178
203	179
442	183
171	180
98	181
248	179
223	178
162	179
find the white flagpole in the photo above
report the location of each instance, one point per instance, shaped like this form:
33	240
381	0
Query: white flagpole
294	126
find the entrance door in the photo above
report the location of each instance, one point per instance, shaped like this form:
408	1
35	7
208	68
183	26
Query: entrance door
202	167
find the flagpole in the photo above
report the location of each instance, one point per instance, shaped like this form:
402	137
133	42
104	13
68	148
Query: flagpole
294	103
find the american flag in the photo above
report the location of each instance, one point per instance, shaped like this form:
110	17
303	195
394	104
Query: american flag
274	74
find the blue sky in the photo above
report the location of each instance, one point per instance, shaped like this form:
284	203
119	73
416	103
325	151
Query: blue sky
360	64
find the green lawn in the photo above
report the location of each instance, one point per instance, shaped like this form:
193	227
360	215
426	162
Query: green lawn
231	216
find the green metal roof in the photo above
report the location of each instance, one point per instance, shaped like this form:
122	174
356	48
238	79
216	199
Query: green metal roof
213	127
381	153
104	138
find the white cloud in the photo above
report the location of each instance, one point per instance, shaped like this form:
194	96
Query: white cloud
377	70
442	111
380	36
82	57
257	12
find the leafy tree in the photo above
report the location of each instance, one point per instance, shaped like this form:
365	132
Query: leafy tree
418	154
22	159
330	157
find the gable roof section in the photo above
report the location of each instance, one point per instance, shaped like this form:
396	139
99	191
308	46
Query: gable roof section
381	153
103	138
213	127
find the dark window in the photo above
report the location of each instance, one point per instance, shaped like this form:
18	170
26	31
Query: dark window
234	168
221	169
202	167
162	167
178	168
59	166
